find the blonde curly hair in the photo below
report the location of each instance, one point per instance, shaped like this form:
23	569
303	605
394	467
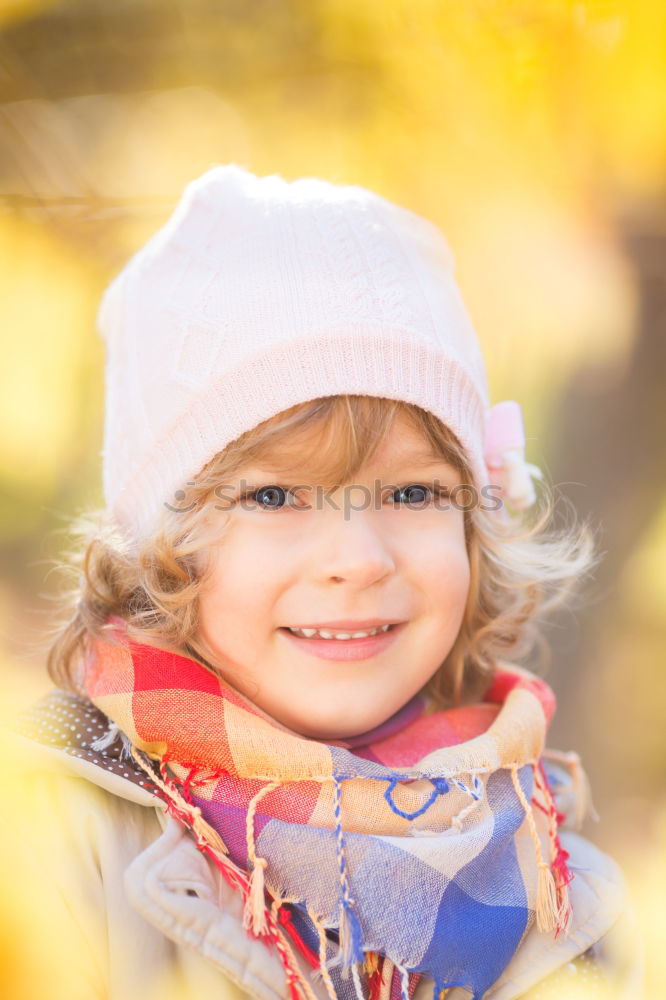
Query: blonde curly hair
520	567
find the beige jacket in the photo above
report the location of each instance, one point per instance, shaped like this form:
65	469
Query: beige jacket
124	906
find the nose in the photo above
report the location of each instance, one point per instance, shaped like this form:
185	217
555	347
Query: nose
353	549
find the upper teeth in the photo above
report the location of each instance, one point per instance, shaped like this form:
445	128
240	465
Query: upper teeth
325	634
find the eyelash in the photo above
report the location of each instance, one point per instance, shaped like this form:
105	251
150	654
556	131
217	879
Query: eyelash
252	494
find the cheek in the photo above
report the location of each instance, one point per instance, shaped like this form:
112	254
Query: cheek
446	566
241	582
440	549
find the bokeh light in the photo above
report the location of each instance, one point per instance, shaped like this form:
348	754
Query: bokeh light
532	133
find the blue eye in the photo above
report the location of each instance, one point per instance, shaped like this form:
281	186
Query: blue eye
417	493
414	493
269	497
274	497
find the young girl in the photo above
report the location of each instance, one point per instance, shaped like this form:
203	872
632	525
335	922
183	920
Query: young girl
301	761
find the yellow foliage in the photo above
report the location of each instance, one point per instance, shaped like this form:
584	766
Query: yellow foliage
48	292
526	129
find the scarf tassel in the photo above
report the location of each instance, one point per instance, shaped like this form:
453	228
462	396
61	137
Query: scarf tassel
552	900
322	969
211	844
351	937
254	912
255	881
350	934
559	867
547	906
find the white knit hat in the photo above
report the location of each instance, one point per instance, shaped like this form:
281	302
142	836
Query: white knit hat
259	294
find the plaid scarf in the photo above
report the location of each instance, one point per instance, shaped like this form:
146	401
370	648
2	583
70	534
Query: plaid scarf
427	847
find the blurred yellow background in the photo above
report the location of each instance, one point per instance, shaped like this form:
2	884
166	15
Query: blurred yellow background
533	133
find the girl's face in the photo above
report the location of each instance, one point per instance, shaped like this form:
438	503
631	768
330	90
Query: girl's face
383	550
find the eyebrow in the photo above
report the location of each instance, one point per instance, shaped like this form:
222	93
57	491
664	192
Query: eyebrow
412	462
423	462
420	461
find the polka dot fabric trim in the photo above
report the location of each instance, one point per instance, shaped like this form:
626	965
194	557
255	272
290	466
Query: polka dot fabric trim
71	723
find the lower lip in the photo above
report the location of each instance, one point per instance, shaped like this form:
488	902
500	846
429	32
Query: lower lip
346	649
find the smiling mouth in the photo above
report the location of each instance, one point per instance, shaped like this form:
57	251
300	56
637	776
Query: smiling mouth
338	635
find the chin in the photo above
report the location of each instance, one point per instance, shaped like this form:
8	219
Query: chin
324	733
334	729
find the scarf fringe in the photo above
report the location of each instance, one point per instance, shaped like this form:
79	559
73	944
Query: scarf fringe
583	805
211	844
357	983
559	857
108	739
284	918
404	982
255	913
323	947
389	981
553	907
351	936
184	810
